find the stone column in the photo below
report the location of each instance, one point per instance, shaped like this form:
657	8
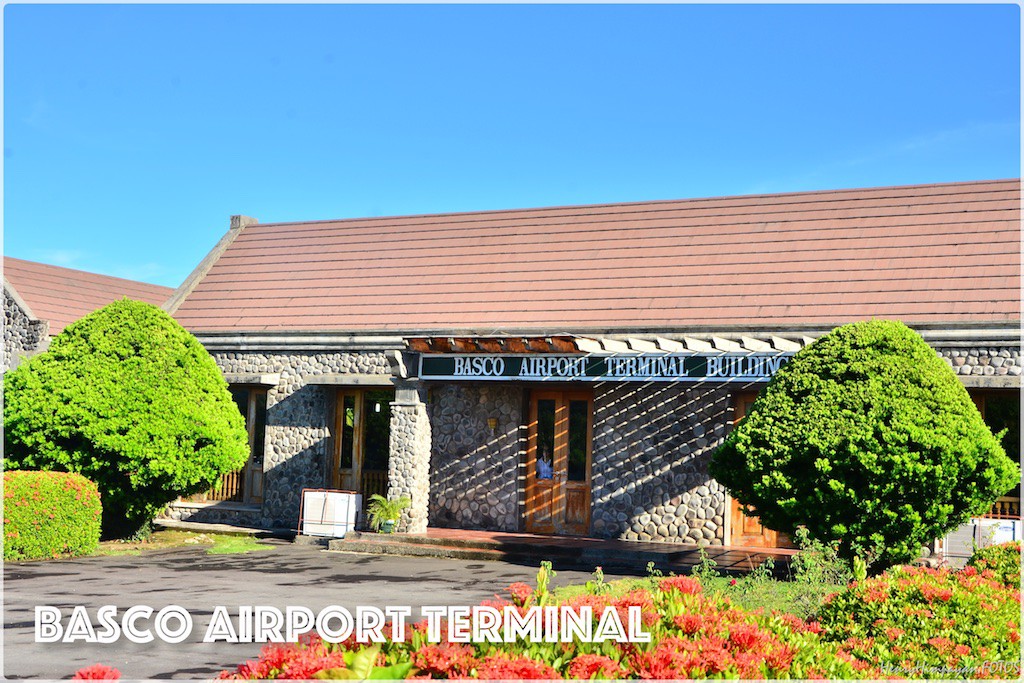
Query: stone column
409	459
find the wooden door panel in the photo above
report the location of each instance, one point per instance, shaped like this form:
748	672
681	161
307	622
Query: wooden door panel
345	480
256	485
543	520
577	510
748	531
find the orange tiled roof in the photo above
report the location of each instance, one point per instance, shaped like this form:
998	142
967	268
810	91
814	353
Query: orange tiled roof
62	295
947	253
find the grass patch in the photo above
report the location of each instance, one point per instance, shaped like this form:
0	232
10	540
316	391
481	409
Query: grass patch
165	539
158	540
616	588
224	544
801	598
752	592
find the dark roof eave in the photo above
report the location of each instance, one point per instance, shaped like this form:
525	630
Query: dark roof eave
977	332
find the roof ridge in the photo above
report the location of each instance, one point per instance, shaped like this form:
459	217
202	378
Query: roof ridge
84	272
649	202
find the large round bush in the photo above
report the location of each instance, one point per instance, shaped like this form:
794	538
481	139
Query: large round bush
866	437
128	398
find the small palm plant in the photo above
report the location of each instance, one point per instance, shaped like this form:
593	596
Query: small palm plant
384	513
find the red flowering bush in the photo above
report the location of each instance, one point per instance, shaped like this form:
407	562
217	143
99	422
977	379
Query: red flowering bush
693	635
504	667
445	660
48	514
907	618
912	617
585	667
1003	559
290	661
97	672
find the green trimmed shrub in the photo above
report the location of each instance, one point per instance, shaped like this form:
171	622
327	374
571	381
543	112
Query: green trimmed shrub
1003	559
48	514
128	398
867	438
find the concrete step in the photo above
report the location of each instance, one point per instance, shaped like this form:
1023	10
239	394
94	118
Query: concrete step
521	553
584	554
228	529
373	547
508	545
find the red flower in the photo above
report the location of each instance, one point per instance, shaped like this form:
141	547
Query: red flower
683	584
688	623
746	637
308	662
498	603
498	667
450	660
649	614
780	658
585	667
97	672
520	592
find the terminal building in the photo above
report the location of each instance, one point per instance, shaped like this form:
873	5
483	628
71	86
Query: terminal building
570	370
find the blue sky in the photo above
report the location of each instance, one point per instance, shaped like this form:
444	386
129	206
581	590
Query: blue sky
132	132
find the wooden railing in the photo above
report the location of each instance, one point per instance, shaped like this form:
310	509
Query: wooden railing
228	489
1006	507
374	481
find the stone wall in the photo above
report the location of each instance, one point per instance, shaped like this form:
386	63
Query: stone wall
652	444
409	459
651	448
23	336
215	513
984	361
298	421
474	469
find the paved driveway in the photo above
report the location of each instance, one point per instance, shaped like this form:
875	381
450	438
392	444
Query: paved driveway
287	575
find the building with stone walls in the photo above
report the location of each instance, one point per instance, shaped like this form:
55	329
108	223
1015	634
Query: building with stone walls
571	370
40	300
24	333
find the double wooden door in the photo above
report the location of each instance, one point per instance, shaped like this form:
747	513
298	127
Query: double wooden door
558	462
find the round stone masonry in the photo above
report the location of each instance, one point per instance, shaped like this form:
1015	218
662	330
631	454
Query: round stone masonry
651	449
298	420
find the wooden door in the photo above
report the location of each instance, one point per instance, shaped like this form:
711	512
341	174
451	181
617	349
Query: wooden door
558	463
747	530
362	429
256	423
347	470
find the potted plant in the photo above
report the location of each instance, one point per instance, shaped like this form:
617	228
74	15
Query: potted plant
384	513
